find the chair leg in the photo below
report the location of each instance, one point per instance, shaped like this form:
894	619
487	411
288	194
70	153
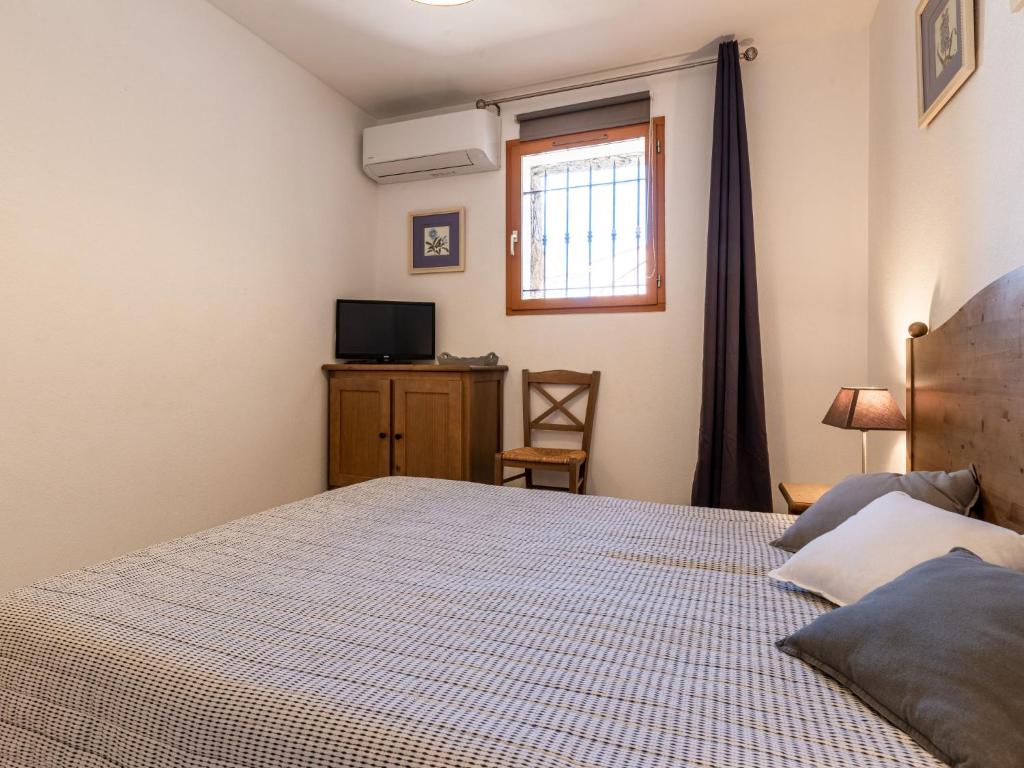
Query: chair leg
529	477
584	476
499	470
574	478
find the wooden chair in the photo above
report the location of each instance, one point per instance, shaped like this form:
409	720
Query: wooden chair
574	462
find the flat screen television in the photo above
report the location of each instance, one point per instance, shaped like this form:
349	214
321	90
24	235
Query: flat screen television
384	331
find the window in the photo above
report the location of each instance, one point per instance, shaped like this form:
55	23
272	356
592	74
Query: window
586	222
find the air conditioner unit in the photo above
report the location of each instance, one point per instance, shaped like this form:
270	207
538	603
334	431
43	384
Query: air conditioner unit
433	147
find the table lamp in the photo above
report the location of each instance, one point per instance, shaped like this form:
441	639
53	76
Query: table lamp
865	408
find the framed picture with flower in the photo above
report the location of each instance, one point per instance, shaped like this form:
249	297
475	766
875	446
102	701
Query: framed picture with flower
437	241
945	53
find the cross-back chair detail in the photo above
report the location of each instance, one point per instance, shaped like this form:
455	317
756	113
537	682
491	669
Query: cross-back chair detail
558	406
574	462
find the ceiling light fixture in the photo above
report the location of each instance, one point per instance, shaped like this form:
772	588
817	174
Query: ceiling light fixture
442	2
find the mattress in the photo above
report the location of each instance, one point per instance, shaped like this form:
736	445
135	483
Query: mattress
431	624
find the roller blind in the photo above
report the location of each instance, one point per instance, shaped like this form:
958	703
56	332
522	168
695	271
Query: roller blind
589	116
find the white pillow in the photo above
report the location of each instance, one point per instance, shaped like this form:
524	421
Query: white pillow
888	537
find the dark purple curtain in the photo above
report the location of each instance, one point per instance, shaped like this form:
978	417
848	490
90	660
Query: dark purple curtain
732	457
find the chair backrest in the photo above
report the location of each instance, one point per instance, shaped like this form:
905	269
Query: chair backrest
581	383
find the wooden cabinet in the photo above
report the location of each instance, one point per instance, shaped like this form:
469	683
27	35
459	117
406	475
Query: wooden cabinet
419	420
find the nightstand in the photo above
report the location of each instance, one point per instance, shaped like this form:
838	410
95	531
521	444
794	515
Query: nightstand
799	496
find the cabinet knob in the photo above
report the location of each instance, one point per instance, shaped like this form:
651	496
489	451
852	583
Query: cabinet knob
398	436
383	435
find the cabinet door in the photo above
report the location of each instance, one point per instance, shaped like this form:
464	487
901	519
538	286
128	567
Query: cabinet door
428	427
360	429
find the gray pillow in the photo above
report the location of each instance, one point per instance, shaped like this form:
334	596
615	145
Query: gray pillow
939	653
952	491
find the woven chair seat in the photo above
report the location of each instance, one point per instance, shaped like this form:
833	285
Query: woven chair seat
546	455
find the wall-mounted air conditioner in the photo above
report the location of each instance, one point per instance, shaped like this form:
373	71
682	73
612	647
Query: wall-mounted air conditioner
433	147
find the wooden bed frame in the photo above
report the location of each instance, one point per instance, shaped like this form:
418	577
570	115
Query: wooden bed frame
965	396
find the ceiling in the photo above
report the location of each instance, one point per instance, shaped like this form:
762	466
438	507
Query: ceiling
397	57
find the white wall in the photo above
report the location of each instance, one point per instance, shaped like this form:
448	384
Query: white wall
947	202
806	118
179	206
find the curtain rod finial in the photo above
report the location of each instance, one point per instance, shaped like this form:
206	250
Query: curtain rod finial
750	53
484	104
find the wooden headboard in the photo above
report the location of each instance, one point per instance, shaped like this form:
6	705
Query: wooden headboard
965	397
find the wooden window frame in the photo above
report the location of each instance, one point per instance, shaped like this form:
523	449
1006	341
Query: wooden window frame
653	300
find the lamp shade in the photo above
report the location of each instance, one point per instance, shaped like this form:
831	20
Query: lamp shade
865	408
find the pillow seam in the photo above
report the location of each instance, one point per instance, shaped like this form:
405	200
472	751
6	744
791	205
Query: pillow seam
774	574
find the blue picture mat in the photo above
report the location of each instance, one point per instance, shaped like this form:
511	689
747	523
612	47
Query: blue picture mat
934	83
444	224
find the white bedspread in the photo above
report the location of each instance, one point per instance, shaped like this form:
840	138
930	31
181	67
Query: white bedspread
424	623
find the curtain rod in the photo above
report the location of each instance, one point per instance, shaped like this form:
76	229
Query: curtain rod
748	54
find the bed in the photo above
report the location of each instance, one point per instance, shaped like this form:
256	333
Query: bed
436	624
412	622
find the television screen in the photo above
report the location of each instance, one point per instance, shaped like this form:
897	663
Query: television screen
384	330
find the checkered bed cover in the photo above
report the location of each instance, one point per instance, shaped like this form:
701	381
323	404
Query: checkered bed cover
432	624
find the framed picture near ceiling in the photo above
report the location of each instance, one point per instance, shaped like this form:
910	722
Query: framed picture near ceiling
945	53
437	241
